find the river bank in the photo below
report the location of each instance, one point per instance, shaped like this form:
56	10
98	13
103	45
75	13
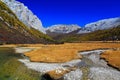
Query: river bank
80	64
83	69
12	69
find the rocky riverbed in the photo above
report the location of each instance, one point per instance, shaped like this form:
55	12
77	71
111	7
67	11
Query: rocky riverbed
90	67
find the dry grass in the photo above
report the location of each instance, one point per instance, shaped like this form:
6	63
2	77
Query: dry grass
113	57
64	52
11	45
52	55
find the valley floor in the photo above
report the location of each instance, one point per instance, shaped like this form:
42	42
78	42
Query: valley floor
56	55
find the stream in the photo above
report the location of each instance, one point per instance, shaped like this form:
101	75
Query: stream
15	66
90	67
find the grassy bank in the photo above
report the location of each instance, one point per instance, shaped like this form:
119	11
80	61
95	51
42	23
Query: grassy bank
12	69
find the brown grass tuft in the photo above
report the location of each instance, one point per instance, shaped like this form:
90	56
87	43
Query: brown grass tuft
113	57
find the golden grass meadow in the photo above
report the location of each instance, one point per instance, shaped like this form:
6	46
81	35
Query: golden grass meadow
68	51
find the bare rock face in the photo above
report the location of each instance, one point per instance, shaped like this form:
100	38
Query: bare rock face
24	14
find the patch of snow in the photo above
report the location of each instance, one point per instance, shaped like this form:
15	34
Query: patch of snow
100	25
104	24
7	24
82	31
1	18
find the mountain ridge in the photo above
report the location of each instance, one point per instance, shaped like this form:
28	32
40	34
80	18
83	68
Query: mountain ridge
90	27
100	25
106	29
24	14
13	31
112	34
63	28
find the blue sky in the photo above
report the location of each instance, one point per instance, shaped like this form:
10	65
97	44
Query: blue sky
78	12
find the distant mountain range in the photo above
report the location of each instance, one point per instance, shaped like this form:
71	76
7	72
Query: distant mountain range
91	27
19	25
107	29
100	25
60	28
111	34
56	30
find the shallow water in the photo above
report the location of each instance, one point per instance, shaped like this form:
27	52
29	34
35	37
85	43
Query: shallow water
12	69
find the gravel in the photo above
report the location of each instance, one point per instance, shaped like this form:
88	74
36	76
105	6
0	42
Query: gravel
100	73
73	75
46	67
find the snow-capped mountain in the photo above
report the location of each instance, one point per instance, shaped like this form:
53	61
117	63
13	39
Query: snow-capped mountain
100	25
60	28
24	14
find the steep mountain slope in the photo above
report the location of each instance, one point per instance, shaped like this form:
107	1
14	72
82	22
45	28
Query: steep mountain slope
99	35
14	31
24	14
61	29
100	25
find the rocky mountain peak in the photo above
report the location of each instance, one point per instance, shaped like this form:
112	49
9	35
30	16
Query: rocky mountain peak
100	25
24	14
61	28
104	24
